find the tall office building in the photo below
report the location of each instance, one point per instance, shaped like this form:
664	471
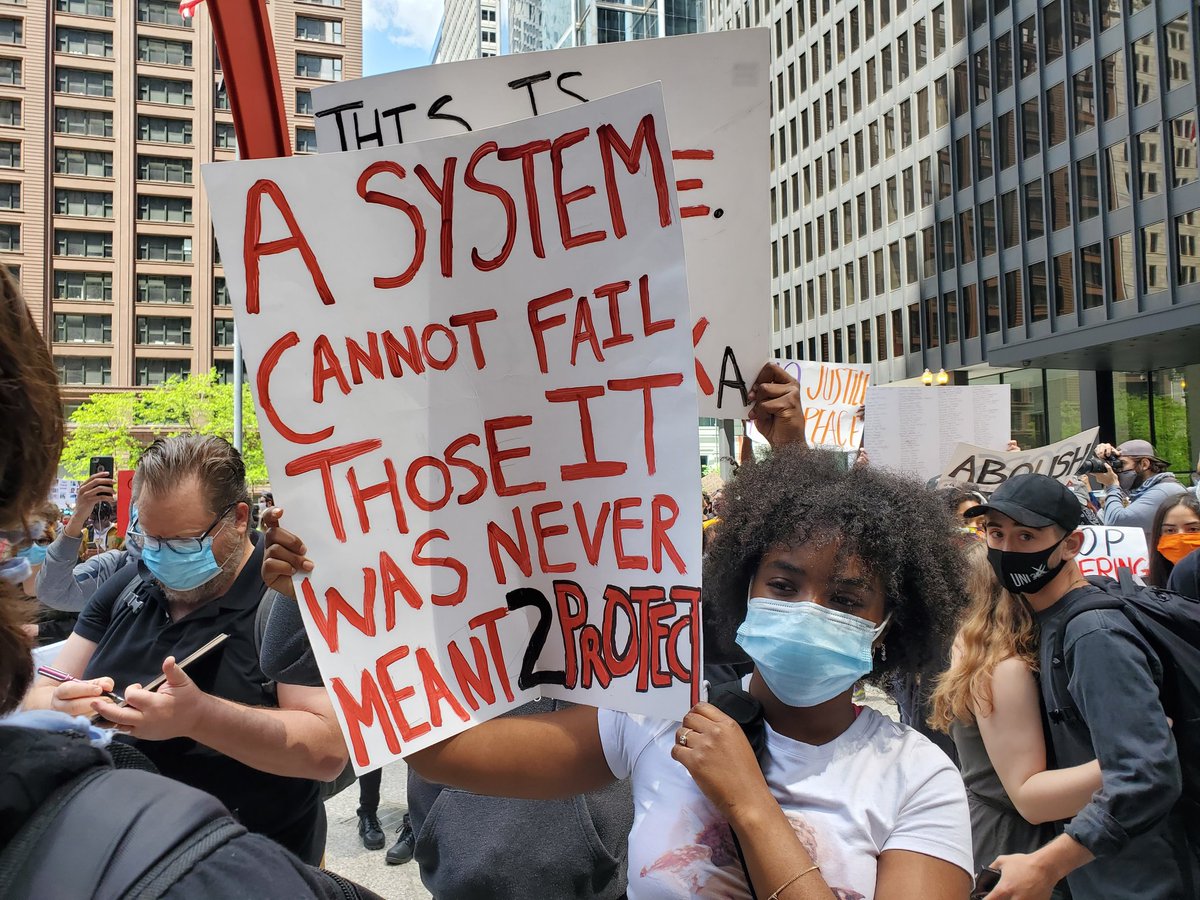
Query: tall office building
1007	189
108	108
552	24
470	29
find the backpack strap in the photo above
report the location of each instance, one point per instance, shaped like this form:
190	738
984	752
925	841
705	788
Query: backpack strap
1062	709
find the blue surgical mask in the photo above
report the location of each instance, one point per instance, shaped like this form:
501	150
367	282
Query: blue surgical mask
807	654
182	571
15	570
35	553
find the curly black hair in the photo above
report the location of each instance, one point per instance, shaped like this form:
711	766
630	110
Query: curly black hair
894	526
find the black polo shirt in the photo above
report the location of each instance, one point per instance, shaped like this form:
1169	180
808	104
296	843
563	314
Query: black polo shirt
133	638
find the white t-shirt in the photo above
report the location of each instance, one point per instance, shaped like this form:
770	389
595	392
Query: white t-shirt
879	786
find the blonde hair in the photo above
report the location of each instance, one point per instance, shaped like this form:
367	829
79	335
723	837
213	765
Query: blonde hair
996	626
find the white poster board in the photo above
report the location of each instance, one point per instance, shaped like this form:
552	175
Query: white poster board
1105	549
989	467
716	88
831	394
478	444
914	429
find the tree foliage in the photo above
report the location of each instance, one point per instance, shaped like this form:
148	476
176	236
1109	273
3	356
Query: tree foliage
122	423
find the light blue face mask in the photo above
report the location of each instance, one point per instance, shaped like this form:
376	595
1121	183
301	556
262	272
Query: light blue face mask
807	654
35	553
182	570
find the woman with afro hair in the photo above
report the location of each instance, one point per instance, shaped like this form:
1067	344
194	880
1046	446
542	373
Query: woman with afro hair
821	576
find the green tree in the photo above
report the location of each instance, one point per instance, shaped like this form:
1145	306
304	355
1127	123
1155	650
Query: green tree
120	424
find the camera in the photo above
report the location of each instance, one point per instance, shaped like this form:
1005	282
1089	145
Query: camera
1095	465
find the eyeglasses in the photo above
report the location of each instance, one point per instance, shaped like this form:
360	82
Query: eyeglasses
176	545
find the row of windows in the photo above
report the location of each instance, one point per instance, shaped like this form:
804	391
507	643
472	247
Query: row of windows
99	163
324	68
828	111
153	12
311	29
1028	292
92	83
98	287
97	370
1147	169
96	328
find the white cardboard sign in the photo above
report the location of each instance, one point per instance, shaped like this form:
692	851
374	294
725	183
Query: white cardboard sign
914	430
990	468
1106	549
474	418
831	394
716	88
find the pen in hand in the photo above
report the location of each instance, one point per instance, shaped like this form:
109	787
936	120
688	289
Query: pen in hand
63	676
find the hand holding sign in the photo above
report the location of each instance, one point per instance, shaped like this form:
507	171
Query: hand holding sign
284	557
776	409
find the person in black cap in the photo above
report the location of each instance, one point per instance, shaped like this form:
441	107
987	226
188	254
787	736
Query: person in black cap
1129	841
1133	495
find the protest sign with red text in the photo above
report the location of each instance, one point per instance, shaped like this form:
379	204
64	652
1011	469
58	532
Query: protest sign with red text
831	394
1106	549
473	367
717	92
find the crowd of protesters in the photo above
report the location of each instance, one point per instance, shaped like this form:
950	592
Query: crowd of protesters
1049	747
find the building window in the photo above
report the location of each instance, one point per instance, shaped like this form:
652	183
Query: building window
1154	258
83	286
78	328
174	289
83	122
1091	276
86	244
1183	149
220	96
103	8
224	136
1120	260
983	78
1064	284
83	82
1031	128
1114	85
1187	236
164	248
222	332
165	168
1150	164
941	101
159	130
1085	101
164	90
1177	38
10	154
10	71
1119	181
84	369
83	42
306	141
1035	215
1052	31
1081	22
1060	199
939	29
221	293
10	195
161	12
94	204
987	227
1007	139
304	103
83	162
12	30
10	236
1029	54
164	52
325	68
1004	62
153	208
947	236
1145	70
931	323
1014	300
327	30
991	305
151	372
168	330
1087	177
1110	13
950	305
1056	114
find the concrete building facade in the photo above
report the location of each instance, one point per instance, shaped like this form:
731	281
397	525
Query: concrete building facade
1006	189
470	29
553	24
108	108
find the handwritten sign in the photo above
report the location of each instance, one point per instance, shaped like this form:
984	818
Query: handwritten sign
716	88
1106	549
991	468
474	377
831	394
914	430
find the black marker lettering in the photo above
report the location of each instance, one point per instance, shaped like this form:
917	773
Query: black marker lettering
736	382
569	93
395	113
435	112
528	82
519	599
376	135
337	111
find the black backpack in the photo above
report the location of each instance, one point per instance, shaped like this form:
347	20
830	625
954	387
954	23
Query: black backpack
1170	624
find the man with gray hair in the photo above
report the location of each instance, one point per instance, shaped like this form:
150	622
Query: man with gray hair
222	726
1133	494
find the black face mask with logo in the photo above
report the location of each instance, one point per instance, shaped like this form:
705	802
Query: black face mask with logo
1025	573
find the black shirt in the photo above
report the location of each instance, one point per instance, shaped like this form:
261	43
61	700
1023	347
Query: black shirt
1185	577
132	640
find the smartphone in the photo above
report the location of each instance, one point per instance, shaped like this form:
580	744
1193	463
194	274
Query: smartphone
158	682
102	464
985	882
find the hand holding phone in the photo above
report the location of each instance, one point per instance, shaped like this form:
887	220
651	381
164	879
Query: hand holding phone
985	882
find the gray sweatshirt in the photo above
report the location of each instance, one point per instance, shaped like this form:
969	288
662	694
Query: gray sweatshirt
64	583
1133	824
1143	503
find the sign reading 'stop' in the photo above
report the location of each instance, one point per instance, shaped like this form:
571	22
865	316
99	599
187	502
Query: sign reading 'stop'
716	91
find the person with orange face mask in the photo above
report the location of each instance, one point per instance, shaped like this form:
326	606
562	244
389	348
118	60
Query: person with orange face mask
1174	564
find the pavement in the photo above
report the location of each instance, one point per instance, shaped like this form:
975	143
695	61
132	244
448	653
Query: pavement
344	852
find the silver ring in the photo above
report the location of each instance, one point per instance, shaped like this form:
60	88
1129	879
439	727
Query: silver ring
683	737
